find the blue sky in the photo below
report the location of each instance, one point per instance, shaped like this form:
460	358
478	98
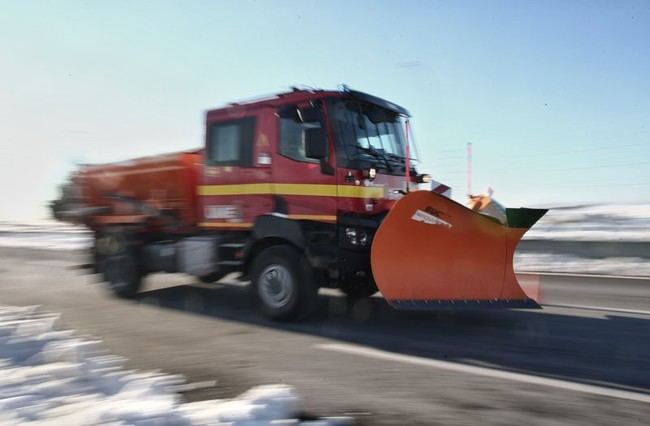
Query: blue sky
554	95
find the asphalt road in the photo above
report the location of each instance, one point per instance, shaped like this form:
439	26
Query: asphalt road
575	364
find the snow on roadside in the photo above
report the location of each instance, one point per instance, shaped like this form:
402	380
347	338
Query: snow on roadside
52	376
603	222
44	235
553	262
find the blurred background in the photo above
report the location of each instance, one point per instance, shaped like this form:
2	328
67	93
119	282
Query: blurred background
553	97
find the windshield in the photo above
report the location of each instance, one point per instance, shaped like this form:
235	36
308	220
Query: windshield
367	131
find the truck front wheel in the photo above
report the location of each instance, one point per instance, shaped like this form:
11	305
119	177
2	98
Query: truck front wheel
120	265
284	284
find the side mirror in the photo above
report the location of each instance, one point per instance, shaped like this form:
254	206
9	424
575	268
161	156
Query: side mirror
315	143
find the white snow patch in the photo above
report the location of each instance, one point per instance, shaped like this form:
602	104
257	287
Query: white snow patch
552	262
50	376
44	235
606	222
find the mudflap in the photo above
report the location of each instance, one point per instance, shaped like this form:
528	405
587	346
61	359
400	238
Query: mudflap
432	252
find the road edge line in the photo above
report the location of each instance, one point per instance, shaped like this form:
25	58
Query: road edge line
485	371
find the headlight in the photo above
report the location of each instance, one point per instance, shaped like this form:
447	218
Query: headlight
423	178
356	237
370	173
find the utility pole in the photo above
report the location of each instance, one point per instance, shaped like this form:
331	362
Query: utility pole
469	168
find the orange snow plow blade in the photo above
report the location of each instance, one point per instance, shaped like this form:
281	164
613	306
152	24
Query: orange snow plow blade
432	252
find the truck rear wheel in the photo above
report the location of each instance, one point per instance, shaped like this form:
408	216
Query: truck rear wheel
120	265
284	284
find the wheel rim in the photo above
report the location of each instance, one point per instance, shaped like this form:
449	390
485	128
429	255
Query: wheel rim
275	286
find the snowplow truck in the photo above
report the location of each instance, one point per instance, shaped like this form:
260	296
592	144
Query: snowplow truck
297	191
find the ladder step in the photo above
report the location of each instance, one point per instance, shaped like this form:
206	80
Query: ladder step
232	245
230	262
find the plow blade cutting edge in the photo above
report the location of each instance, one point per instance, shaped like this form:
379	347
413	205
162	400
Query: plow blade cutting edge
432	252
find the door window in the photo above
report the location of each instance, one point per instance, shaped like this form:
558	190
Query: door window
231	142
292	139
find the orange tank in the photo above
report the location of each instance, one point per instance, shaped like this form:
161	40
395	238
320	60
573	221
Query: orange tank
157	189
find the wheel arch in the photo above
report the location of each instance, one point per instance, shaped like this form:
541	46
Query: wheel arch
260	245
271	230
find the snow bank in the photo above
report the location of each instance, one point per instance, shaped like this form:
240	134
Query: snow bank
51	376
552	262
618	223
44	235
607	222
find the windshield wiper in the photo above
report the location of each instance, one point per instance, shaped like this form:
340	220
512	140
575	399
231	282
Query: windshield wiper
400	159
375	153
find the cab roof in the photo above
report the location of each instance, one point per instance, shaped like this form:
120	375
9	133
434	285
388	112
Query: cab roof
300	95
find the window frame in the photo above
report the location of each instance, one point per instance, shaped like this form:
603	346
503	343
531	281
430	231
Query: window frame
279	145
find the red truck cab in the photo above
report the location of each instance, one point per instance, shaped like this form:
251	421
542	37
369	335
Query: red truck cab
304	154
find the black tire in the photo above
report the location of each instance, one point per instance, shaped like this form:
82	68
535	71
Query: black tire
359	289
284	284
120	264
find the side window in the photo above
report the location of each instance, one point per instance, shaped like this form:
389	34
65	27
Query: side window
292	139
231	142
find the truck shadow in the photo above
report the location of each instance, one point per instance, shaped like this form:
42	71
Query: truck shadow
611	349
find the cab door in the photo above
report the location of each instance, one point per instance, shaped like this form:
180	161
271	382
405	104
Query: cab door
234	185
305	188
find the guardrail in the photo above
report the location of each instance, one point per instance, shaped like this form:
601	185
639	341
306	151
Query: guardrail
587	249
